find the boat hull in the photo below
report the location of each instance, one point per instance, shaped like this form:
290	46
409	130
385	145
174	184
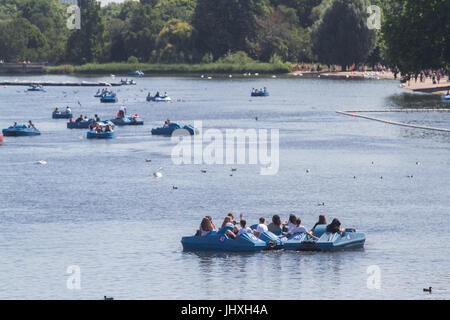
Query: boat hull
21	131
260	94
221	242
129	121
102	135
61	115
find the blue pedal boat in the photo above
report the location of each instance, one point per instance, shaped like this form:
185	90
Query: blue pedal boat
127	83
219	241
100	135
171	128
20	131
62	115
260	94
327	241
36	88
80	124
110	98
446	97
136	73
159	99
128	121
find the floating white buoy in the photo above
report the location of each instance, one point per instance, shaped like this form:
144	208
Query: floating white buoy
230	76
41	162
274	76
347	76
256	74
417	163
202	76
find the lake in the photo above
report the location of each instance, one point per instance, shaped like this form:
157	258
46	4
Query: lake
97	205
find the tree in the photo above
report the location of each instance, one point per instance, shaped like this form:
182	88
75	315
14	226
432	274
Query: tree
49	17
20	40
416	35
279	34
303	9
342	35
174	41
226	25
87	44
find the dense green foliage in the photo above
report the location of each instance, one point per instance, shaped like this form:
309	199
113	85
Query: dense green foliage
342	35
417	35
233	35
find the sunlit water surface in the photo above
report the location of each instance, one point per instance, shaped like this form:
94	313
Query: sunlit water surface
97	205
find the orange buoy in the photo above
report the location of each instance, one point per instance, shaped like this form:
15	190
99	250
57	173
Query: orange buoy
1	139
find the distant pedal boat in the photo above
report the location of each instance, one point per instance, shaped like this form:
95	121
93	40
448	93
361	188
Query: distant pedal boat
20	131
61	115
128	121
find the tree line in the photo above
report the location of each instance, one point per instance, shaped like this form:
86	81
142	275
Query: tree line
414	34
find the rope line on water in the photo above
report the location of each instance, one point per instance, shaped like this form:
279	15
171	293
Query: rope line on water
395	123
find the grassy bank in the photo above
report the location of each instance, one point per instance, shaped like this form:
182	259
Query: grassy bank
210	68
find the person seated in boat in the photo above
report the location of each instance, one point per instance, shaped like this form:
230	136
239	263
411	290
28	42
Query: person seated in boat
15	124
97	118
109	128
120	114
228	222
299	229
68	110
98	128
91	126
31	125
98	91
71	120
165	94
265	89
149	95
292	222
244	228
276	226
322	220
80	118
167	123
56	110
206	226
261	228
157	94
335	227
85	118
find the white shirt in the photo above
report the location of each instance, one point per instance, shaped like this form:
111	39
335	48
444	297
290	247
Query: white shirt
291	226
244	230
261	228
299	229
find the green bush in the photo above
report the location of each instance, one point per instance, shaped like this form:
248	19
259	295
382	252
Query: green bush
133	60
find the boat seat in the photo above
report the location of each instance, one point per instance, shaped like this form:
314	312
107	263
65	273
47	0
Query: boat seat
224	229
319	230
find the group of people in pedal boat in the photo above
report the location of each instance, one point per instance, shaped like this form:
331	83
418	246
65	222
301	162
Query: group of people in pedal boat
284	229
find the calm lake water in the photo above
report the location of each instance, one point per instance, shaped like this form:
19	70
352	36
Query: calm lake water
97	205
